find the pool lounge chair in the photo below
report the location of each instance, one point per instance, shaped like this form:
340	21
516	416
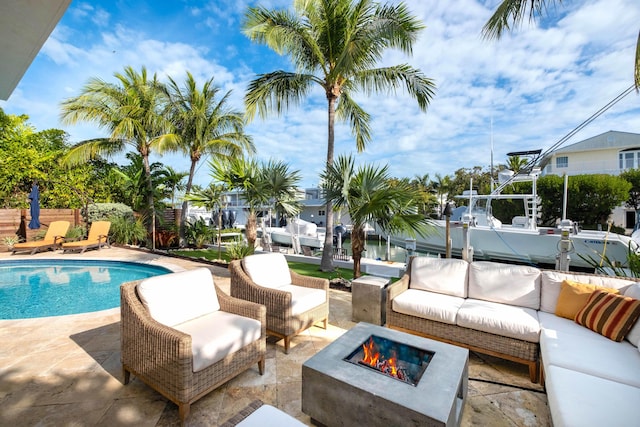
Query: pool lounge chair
52	239
97	238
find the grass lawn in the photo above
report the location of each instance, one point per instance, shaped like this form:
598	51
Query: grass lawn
298	267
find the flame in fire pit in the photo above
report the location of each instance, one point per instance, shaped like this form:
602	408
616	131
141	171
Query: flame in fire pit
392	359
373	359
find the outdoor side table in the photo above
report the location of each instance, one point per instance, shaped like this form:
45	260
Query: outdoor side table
368	300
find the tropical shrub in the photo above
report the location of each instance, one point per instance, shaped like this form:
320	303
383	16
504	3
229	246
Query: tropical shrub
75	233
126	231
167	238
198	233
104	211
239	250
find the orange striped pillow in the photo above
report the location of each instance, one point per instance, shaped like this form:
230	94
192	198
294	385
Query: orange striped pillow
609	314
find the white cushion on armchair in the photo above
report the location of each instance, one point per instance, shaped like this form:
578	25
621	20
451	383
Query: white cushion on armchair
269	270
216	335
175	298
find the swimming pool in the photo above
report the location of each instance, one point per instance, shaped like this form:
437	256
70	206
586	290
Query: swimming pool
41	288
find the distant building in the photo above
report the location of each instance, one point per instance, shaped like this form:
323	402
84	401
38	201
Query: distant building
609	153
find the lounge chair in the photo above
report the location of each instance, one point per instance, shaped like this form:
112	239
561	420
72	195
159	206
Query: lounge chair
97	238
52	239
294	302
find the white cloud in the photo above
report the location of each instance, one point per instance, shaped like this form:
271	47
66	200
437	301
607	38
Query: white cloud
535	85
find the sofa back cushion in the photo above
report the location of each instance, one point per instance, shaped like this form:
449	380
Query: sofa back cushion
633	336
551	282
517	285
175	298
573	297
443	275
269	270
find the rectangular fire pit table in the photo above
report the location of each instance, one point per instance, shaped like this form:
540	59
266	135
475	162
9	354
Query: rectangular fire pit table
336	392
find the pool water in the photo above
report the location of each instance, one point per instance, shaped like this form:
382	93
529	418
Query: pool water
41	288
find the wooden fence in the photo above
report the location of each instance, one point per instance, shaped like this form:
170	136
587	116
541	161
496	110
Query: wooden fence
16	221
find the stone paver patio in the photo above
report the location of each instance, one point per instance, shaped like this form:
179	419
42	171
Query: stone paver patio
65	371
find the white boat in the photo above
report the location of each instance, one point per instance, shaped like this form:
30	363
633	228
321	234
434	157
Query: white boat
307	233
522	241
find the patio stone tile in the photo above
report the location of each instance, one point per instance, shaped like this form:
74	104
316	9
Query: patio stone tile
70	415
67	371
524	409
134	411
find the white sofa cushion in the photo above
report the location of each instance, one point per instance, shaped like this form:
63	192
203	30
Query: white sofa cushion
269	270
443	275
216	335
505	283
269	416
304	299
500	319
565	343
633	336
428	305
551	282
178	297
579	399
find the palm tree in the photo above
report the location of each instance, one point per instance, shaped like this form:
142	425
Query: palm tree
516	163
213	198
369	196
335	44
280	187
173	181
130	111
243	174
513	12
204	125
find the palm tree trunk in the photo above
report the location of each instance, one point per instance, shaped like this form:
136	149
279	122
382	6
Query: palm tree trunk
251	229
326	264
151	228
357	247
185	204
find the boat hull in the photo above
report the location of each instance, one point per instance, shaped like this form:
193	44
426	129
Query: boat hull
540	246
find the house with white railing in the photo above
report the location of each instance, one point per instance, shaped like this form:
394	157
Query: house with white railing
609	153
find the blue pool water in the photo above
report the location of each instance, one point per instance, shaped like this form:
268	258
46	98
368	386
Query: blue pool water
40	288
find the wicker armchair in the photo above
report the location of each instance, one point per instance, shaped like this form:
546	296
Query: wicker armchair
162	357
283	320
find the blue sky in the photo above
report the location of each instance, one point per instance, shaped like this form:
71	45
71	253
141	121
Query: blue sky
524	92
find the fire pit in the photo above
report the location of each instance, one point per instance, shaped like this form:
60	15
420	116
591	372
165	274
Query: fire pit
340	387
396	360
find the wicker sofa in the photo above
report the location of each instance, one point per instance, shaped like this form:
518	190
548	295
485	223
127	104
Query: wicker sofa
513	312
184	337
294	302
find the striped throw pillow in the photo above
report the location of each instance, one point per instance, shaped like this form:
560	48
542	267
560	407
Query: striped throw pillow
609	314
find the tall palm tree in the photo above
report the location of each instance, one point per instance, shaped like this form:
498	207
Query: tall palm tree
280	187
205	124
512	12
243	174
335	44
130	110
369	196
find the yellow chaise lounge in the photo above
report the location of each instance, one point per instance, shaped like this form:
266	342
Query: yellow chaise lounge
97	238
54	237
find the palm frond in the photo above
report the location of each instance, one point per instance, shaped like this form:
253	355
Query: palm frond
393	78
275	92
91	149
351	112
511	13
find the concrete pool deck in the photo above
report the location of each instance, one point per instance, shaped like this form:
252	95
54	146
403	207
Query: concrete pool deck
66	370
